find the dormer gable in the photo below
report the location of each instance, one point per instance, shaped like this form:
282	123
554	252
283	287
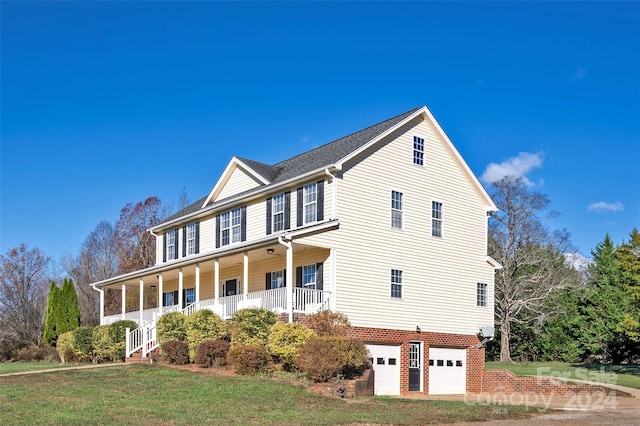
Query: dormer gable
240	175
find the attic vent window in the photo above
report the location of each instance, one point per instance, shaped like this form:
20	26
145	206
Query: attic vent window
418	151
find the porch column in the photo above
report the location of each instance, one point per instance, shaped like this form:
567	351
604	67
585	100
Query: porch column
180	283
101	306
332	298
216	280
141	302
197	283
124	299
245	275
160	291
289	278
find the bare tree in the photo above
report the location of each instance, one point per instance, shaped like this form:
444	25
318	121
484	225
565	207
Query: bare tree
24	282
96	261
532	257
136	246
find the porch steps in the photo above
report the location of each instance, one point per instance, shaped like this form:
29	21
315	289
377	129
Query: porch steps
137	358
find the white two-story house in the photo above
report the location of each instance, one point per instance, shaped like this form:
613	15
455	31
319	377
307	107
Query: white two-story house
387	225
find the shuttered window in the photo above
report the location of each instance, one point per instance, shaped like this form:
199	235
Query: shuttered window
231	227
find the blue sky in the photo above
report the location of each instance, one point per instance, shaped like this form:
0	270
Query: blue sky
106	103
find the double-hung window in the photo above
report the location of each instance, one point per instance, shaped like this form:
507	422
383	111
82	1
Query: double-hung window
396	283
436	219
309	276
418	151
310	194
171	249
396	210
277	213
231	227
481	294
276	279
190	231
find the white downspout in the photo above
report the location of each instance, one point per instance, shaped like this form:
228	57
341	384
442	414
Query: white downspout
334	203
101	291
289	278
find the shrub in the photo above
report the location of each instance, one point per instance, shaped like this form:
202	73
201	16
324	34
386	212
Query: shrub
212	353
251	326
249	359
176	352
118	336
30	353
327	323
171	327
8	348
354	355
319	359
82	343
102	344
203	325
285	340
64	343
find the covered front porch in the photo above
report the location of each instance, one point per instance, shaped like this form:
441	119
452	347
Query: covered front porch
286	278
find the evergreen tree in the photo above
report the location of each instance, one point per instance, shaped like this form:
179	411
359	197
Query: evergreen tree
50	329
67	311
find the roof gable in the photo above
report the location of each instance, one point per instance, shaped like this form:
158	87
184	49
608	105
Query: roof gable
237	177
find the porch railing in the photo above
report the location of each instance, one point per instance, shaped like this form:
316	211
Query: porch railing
307	301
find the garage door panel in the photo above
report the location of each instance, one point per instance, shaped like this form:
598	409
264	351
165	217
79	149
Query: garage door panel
447	371
386	365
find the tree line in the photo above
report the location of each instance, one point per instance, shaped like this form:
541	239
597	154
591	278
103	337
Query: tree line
28	276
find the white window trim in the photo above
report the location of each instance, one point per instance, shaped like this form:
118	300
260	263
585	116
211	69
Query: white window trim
414	151
275	212
191	240
311	207
400	211
231	227
171	248
315	272
400	284
440	219
274	278
485	295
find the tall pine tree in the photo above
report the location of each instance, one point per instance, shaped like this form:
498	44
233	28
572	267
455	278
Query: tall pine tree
68	311
50	329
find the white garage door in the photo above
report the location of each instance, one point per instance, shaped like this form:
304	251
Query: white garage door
447	371
386	365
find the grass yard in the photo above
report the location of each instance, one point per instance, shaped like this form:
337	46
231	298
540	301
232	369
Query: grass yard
623	375
16	367
150	395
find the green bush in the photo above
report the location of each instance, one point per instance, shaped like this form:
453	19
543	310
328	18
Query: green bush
203	325
319	359
327	323
284	341
171	327
251	326
175	352
212	353
118	336
354	355
82	343
102	344
249	359
65	341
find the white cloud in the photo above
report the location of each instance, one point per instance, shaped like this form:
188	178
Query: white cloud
579	74
603	206
515	166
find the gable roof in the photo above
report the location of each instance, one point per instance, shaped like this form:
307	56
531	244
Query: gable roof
325	156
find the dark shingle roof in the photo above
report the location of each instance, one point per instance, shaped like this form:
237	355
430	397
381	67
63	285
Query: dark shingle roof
315	159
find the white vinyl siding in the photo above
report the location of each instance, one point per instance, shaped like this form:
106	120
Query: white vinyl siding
431	291
238	182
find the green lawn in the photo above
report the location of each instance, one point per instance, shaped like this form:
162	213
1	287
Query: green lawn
16	367
150	395
623	375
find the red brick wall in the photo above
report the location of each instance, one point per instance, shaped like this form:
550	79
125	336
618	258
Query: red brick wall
504	381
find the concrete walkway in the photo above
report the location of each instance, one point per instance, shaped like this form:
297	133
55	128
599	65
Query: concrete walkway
51	370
